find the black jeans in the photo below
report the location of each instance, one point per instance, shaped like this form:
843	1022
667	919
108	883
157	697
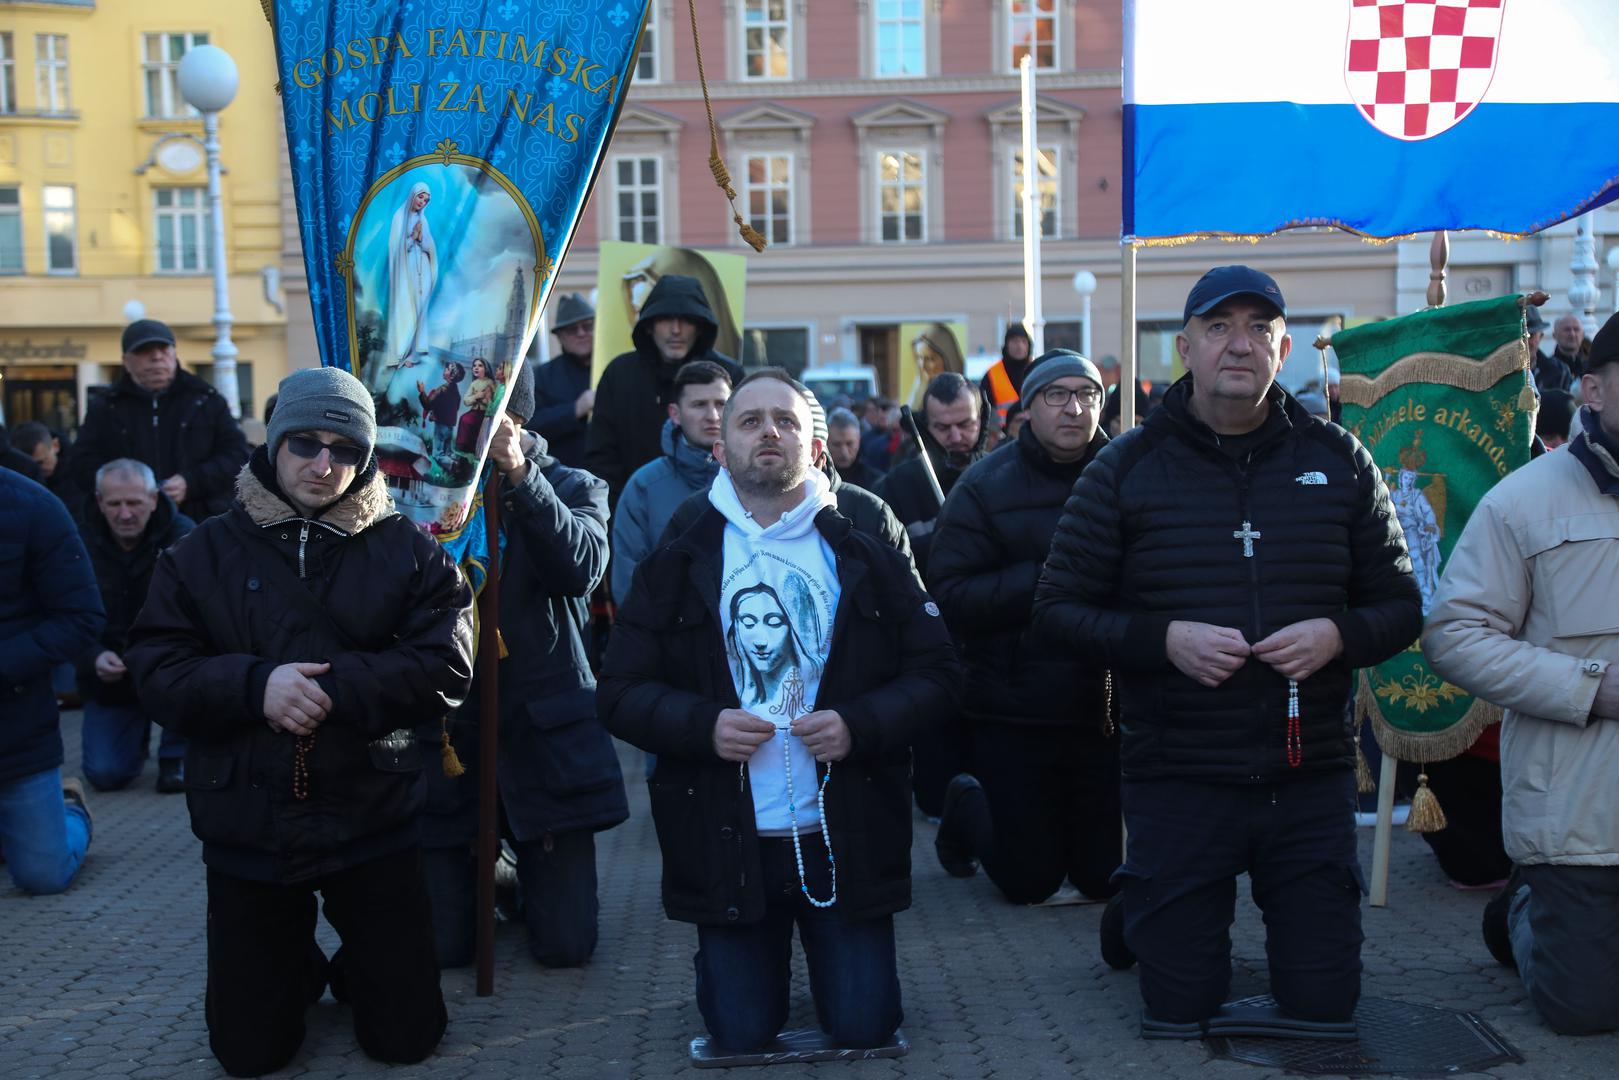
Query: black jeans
1050	810
557	875
744	973
1469	847
1187	844
262	968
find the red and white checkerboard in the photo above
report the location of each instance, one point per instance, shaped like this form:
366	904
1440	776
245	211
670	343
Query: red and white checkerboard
1417	67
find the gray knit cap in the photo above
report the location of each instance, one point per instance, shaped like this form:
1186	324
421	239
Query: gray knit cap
323	399
1053	365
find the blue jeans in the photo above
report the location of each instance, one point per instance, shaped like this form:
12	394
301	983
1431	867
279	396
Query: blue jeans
744	974
42	837
115	742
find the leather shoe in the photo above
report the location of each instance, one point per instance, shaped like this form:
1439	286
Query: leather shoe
1115	952
1496	937
171	775
950	844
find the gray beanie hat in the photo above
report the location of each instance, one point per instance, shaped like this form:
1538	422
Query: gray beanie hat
1054	365
323	399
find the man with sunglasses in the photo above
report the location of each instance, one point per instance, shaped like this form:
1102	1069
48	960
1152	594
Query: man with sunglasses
294	641
563	398
1042	802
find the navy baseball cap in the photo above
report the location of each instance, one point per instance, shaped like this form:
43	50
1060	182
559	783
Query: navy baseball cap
145	332
1224	282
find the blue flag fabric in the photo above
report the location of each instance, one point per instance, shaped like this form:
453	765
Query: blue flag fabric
441	155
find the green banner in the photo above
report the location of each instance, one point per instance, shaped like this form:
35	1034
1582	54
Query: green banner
1442	400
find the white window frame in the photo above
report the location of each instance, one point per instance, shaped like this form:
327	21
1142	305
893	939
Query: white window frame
178	214
8	73
921	184
170	105
647	50
637	188
61	215
13	212
1034	16
769	186
1015	186
47	63
899	22
765	25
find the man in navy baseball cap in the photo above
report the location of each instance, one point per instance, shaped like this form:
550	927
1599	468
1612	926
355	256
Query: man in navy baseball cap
1224	282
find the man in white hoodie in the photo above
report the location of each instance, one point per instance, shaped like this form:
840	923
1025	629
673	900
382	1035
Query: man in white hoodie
779	664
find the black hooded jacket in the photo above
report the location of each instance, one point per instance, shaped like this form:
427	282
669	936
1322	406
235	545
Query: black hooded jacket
993	537
1148	538
634	391
186	430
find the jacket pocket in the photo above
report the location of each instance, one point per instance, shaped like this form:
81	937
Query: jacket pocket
396	752
209	772
571	751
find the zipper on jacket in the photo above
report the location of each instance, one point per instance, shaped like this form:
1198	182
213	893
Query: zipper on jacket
303	539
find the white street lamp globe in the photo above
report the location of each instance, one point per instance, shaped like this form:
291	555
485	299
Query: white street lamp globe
208	78
1613	258
1084	282
134	311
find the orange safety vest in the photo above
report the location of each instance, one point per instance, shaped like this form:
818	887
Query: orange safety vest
1001	389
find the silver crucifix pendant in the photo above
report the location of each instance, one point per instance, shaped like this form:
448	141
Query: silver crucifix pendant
1247	535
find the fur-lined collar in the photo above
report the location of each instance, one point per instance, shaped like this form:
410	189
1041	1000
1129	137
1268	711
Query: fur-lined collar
367	502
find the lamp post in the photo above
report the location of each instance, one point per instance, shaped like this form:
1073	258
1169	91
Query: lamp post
208	82
1085	286
1613	264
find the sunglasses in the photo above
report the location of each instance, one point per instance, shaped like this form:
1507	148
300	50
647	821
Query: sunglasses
309	449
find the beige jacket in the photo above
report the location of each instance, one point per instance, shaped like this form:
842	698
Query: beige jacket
1527	616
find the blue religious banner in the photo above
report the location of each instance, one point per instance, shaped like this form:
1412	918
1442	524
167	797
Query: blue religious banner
442	151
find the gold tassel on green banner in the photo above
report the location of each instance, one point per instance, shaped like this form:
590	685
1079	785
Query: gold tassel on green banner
449	758
1364	784
1426	816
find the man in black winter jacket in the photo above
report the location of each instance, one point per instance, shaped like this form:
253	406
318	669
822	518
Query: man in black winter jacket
295	642
558	774
168	418
1042	801
779	664
1231	561
953	435
563	397
635	389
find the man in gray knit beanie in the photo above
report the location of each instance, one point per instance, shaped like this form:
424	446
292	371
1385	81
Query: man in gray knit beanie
323	399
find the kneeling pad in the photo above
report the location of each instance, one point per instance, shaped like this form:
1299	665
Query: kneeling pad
1251	1018
791	1047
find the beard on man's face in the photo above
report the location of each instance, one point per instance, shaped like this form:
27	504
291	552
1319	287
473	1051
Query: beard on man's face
771	476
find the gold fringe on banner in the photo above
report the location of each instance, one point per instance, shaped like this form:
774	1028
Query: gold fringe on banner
1365	784
1432	367
716	164
1425	816
1418	746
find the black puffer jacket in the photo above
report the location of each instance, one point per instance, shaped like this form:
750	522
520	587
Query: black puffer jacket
626	428
123	578
891	673
992	539
187	429
215	625
1147	538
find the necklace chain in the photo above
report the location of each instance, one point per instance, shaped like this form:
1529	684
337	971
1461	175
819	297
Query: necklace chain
792	813
1295	733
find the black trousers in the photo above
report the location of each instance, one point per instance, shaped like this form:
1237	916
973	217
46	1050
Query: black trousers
1050	810
1469	847
262	970
557	875
1296	841
935	759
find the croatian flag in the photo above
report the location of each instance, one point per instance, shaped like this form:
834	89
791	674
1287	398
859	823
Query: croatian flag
1384	117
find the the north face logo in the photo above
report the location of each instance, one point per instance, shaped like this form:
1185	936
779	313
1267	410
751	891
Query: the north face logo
1416	68
1310	479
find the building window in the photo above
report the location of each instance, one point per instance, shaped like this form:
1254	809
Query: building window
1046	191
1033	32
767	191
776	346
10	231
901	197
639	196
50	69
160	64
8	74
61	231
646	59
184	230
899	39
766	40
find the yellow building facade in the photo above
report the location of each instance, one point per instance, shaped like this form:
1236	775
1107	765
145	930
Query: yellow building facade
103	196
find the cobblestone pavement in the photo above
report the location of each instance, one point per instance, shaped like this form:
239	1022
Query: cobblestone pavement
107	979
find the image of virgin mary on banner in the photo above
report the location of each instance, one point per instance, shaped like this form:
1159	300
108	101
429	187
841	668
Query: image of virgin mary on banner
441	156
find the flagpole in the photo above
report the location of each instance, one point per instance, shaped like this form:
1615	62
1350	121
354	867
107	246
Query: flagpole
1033	319
488	735
1127	346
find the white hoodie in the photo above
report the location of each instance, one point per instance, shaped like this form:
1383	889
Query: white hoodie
778	597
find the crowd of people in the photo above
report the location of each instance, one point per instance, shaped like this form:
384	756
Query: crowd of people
1020	624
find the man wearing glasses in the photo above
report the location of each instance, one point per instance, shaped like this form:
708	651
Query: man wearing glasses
1042	803
563	397
295	641
1231	561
